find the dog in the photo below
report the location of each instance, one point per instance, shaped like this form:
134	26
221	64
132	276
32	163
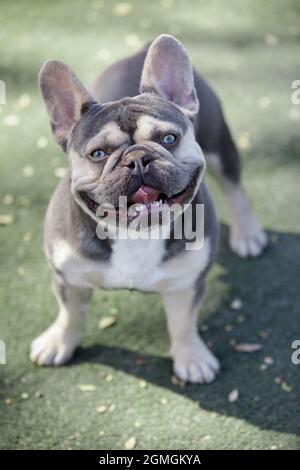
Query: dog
146	130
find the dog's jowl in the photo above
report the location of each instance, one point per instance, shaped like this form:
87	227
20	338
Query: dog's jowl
138	145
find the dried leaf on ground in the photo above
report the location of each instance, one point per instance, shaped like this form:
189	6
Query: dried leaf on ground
236	304
122	9
107	322
101	409
6	219
130	443
286	387
8	199
28	171
87	387
269	360
247	347
143	384
233	396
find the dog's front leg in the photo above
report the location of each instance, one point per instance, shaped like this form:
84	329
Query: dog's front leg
56	345
193	361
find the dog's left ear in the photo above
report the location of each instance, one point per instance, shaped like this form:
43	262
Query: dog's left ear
168	72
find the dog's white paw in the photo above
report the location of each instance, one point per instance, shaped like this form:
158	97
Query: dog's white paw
247	239
55	346
194	362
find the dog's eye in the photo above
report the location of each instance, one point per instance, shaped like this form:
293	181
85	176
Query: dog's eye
169	139
97	154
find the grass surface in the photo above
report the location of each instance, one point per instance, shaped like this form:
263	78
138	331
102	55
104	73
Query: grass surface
250	52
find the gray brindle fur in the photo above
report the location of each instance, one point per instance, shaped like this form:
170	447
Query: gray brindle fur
128	112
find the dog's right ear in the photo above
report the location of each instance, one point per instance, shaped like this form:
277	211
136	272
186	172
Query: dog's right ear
64	96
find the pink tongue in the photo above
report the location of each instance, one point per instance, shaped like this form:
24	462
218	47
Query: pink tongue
144	195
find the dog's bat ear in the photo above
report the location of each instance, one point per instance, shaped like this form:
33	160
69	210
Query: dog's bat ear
64	97
168	72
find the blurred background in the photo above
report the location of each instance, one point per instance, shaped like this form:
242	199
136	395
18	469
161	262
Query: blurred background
119	387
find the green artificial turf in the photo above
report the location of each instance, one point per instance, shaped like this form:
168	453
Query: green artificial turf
249	51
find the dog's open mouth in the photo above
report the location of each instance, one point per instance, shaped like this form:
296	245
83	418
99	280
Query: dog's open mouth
143	202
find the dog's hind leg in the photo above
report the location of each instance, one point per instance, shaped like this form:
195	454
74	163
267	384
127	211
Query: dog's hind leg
56	345
247	239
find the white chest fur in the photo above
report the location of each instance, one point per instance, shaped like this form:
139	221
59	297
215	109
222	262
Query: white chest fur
134	264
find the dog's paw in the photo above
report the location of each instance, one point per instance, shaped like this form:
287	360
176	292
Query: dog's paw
55	346
195	363
247	239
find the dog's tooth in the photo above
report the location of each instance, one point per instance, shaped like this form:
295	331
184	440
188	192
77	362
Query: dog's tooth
139	207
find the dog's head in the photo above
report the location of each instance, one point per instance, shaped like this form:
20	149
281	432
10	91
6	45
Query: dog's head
141	148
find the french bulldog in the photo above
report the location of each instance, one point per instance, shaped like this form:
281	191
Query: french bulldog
146	131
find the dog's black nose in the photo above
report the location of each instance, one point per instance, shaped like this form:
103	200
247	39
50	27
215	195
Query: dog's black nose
137	160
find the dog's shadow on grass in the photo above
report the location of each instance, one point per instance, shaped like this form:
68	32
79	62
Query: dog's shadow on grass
267	381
